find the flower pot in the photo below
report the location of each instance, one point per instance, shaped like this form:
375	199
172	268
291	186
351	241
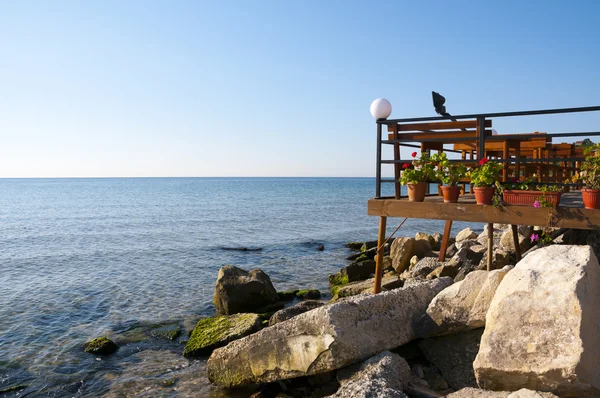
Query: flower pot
416	192
484	195
450	193
591	198
527	198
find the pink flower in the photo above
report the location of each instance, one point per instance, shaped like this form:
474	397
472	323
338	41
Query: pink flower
414	154
405	166
536	204
534	238
483	161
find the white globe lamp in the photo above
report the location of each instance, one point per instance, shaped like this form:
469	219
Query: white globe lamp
381	108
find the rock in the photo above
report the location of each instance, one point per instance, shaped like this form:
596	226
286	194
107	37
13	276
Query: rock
449	269
463	305
240	291
423	267
211	333
372	244
326	338
384	376
500	259
320	247
467	243
387	264
388	282
436	241
542	327
354	245
507	242
477	393
401	252
167	331
308	294
288	295
465	234
593	239
423	244
434	379
100	346
453	355
354	272
290	312
451	250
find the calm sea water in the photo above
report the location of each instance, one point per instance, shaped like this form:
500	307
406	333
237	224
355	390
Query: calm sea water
82	257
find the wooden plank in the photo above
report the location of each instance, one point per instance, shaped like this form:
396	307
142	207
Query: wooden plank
515	233
563	217
490	248
379	256
438	134
464	124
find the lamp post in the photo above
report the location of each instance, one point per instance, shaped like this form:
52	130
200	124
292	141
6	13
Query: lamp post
380	109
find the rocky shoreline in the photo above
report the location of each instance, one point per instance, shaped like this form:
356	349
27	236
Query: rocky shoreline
438	328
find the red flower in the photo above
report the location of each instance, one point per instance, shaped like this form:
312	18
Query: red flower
483	161
414	154
405	166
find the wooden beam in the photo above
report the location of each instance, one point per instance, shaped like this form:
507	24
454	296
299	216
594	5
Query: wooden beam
379	256
445	240
563	217
466	124
423	136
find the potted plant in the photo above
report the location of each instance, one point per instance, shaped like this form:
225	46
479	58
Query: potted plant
415	176
526	192
590	176
449	174
483	177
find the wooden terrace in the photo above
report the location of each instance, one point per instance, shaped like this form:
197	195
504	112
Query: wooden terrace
470	137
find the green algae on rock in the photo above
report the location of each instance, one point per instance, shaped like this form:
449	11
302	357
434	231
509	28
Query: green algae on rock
288	295
212	333
167	331
100	346
311	294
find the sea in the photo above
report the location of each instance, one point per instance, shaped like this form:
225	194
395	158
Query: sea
80	258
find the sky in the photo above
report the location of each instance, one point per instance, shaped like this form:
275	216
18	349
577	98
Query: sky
273	88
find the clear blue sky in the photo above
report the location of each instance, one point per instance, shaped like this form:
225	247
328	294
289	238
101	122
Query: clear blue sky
272	88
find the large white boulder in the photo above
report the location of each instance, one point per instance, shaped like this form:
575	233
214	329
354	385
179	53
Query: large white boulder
463	305
326	338
543	326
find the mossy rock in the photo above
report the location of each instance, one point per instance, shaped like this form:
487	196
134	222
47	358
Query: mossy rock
288	295
354	245
338	279
212	333
309	294
100	346
18	387
169	332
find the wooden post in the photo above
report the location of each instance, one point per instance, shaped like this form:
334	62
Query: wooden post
379	257
397	166
445	240
490	251
515	233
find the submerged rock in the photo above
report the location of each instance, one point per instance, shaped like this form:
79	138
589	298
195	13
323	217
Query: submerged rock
167	331
326	338
383	376
308	294
543	325
100	346
211	333
241	291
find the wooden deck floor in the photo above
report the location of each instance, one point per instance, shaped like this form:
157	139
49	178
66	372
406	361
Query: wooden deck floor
570	213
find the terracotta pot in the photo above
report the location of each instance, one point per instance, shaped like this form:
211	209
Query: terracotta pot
591	198
484	195
526	198
416	192
451	193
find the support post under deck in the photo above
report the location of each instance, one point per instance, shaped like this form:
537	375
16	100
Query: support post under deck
515	234
490	250
379	256
445	240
